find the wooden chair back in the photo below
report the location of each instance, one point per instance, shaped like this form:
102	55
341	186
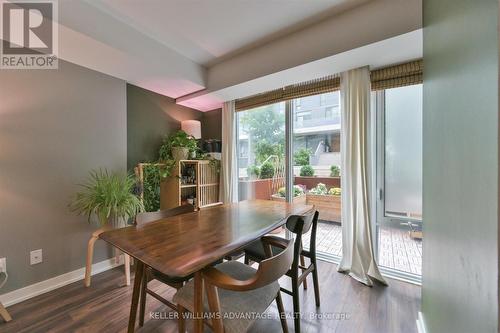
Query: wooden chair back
312	242
273	268
299	225
306	222
147	217
270	270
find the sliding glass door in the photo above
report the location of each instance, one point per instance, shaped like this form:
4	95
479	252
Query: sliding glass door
316	165
399	180
261	153
309	160
295	145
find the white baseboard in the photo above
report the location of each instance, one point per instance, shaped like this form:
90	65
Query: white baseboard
19	295
421	323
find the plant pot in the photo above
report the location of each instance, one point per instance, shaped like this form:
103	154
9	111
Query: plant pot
328	206
115	223
180	153
255	189
301	199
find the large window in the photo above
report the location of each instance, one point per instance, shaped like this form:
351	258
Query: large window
315	161
261	145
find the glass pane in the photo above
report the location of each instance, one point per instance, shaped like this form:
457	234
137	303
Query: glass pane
400	229
403	152
261	151
316	148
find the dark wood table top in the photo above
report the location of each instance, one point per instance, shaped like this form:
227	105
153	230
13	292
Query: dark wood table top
183	244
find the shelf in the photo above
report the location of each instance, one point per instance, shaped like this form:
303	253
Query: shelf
204	186
212	204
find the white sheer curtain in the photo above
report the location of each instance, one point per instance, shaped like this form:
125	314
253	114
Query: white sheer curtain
358	258
229	165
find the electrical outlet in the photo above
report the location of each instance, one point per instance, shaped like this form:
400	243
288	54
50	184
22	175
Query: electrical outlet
36	257
3	265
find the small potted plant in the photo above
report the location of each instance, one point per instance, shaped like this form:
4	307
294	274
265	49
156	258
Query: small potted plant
298	194
178	146
320	189
306	171
335	191
334	171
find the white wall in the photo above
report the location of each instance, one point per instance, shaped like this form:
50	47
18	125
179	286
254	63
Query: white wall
460	166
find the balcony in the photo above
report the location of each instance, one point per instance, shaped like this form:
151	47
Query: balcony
397	249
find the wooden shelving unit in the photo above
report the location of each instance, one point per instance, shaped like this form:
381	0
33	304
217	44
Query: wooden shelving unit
191	178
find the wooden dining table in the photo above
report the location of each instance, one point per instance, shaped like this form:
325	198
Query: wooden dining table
182	245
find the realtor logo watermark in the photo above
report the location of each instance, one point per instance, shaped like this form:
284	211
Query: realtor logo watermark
29	35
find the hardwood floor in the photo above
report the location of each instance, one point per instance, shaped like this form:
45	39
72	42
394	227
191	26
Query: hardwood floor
104	307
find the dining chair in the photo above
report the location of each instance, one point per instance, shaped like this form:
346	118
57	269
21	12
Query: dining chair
233	287
151	274
256	252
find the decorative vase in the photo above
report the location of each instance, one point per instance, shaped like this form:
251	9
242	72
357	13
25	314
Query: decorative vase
180	153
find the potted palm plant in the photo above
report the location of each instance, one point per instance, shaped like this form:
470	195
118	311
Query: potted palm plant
110	198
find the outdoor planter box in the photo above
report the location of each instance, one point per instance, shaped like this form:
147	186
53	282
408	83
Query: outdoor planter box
311	182
301	199
328	206
255	189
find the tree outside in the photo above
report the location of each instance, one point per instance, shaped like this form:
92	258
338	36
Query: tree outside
265	127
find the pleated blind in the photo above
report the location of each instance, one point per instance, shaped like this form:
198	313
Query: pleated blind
397	76
389	77
309	88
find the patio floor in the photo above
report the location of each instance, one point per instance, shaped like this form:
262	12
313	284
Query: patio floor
397	250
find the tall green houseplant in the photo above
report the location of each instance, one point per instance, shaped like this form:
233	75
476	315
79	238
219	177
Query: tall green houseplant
109	196
153	175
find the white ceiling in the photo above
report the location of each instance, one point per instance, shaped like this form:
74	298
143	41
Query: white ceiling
202	52
393	50
207	31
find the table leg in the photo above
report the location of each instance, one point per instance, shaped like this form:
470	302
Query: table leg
139	275
198	302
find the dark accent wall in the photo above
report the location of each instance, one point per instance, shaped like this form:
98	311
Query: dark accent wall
150	117
55	126
460	166
212	125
